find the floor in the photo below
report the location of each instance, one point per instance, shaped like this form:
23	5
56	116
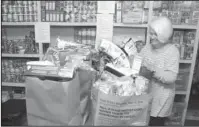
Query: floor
20	105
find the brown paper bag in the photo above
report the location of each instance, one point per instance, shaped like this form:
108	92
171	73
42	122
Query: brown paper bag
112	110
53	102
86	78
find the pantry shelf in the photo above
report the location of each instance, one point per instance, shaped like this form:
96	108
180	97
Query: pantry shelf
18	23
71	24
192	115
180	92
21	55
130	25
13	84
186	61
191	27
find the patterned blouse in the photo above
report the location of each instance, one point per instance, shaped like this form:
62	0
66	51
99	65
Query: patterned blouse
165	63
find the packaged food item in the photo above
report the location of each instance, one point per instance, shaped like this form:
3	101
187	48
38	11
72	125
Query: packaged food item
132	11
122	86
119	57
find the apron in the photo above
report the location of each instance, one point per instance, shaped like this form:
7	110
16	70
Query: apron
163	94
163	98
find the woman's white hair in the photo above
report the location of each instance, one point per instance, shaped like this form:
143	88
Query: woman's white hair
163	27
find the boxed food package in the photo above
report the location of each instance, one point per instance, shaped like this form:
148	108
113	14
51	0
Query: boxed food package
189	37
157	4
177	37
120	61
132	11
115	52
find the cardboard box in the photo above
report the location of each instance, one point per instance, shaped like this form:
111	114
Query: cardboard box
177	37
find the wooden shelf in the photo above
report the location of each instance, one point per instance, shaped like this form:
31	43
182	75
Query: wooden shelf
71	24
21	55
13	84
180	92
192	27
186	61
190	115
130	25
18	23
51	24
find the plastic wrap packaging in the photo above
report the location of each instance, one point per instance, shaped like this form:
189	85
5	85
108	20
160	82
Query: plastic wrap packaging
119	57
123	86
62	60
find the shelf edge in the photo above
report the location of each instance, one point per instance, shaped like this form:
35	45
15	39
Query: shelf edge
13	84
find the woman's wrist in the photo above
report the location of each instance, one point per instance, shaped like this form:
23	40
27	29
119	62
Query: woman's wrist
164	77
158	79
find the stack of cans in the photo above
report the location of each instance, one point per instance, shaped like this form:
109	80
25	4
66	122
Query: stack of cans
19	11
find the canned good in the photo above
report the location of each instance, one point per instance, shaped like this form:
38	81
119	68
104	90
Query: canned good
30	3
20	3
26	10
21	18
51	17
18	9
5	18
72	17
9	18
61	17
5	9
54	17
30	18
57	16
47	17
35	17
25	3
15	17
26	18
14	9
9	9
30	9
47	7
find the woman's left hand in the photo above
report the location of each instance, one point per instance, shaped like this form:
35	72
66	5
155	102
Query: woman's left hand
146	72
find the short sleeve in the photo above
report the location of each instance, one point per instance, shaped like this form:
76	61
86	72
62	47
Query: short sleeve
172	60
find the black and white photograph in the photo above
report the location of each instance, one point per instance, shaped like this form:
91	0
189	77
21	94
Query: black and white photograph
99	63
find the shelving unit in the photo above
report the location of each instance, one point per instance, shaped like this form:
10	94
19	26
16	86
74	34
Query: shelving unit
21	55
18	23
59	25
13	84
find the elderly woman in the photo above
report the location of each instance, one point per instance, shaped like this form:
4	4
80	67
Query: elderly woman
161	61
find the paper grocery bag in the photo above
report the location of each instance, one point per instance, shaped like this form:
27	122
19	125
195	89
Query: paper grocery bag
53	102
86	78
109	110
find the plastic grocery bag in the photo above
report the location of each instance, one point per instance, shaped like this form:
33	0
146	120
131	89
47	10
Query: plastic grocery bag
110	110
51	101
